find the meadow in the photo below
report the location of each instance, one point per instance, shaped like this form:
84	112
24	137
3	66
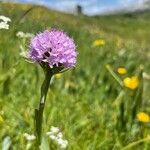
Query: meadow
90	103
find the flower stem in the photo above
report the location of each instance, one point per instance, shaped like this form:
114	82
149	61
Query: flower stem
131	145
40	109
108	67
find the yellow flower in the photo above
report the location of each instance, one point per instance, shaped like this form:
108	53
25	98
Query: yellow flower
98	42
58	75
131	83
143	117
122	70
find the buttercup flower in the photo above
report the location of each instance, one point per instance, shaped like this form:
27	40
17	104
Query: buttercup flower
99	42
131	83
53	47
122	70
143	117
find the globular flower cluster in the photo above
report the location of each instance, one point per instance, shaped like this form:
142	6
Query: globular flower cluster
53	47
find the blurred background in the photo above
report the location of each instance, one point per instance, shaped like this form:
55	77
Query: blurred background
91	7
104	102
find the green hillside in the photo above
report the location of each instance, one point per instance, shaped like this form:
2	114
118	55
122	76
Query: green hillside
87	103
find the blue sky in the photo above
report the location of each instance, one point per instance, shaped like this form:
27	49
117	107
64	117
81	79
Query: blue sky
90	7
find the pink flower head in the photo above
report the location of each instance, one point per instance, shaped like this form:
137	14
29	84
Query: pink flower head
53	47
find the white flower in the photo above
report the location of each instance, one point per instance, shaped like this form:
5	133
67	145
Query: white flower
29	137
53	137
54	129
4	22
62	143
21	34
4	25
57	137
5	19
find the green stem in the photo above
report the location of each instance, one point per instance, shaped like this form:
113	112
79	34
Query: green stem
108	67
131	145
40	109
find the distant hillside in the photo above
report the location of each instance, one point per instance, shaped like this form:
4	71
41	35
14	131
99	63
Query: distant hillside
137	13
127	25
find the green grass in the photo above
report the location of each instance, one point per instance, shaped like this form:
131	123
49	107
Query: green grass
85	103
